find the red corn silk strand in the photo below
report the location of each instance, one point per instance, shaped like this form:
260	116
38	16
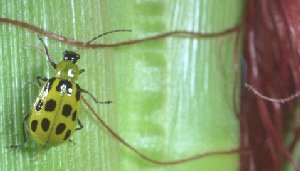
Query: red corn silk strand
84	44
273	68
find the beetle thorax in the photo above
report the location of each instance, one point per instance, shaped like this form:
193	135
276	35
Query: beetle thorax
67	70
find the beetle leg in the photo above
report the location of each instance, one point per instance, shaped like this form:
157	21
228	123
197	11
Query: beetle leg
94	98
81	71
71	141
80	125
24	133
41	78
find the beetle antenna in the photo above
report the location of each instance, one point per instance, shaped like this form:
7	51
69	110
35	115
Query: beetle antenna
106	33
51	61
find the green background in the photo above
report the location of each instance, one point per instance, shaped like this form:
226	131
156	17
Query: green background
172	97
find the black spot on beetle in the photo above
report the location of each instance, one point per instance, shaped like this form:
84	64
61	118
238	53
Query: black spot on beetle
60	128
67	135
74	115
50	105
33	125
64	86
77	92
67	109
39	105
45	124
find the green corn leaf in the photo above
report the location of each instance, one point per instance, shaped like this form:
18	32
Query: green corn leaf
172	98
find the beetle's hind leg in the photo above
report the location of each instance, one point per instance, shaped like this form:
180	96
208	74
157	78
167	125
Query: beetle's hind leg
80	125
24	133
72	142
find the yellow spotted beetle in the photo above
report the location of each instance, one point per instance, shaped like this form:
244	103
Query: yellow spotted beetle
54	115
